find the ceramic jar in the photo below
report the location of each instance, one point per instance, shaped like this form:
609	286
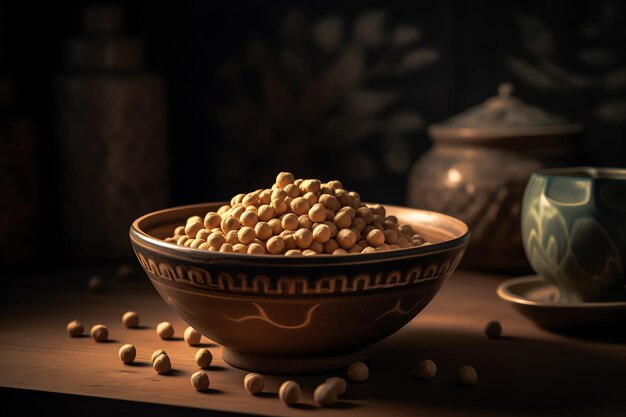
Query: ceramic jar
478	168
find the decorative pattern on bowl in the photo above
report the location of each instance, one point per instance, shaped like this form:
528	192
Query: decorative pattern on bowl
574	231
282	314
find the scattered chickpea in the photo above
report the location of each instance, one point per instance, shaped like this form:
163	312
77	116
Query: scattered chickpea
305	222
331	246
493	330
339	384
246	235
303	238
325	394
162	364
375	238
100	333
75	328
289	392
212	220
203	358
127	353
426	370
466	375
227	248
276	226
346	238
342	220
192	336
240	248
292	191
254	383
130	319
191	229
256	249
293	252
358	372
156	353
165	330
284	178
275	245
200	381
290	222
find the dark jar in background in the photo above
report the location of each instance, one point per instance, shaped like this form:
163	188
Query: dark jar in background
112	139
478	167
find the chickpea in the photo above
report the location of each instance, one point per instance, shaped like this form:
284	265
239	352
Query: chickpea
203	358
303	238
300	206
325	395
227	248
309	252
358	224
127	353
194	219
251	199
249	219
382	248
195	244
358	372
75	328
316	247
493	330
391	235
246	235
237	199
179	231
333	228
356	249
403	242
279	207
330	215
284	178
292	191
290	222
317	213
216	240
368	249
378	209
192	336
275	245
162	364
263	230
304	222
365	213
293	252
156	353
334	185
340	251
466	375
265	196
256	249
188	243
230	223
375	238
290	241
232	237
200	381
321	233
276	225
346	238
278	194
311	198
329	201
426	370
356	233
100	333
297	182
236	212
203	234
289	392
165	330
330	246
254	383
170	240
338	383
344	198
223	209
406	229
212	220
191	229
265	212
342	220
130	319
311	186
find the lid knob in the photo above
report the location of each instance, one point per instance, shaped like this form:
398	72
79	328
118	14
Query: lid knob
505	90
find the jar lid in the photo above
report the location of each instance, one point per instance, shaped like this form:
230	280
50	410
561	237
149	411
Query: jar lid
500	117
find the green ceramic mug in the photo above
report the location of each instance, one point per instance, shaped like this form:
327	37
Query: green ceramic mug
574	231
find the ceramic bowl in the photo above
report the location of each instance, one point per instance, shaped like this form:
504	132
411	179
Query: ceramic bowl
574	231
297	315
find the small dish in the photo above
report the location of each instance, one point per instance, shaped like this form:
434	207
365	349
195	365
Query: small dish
538	300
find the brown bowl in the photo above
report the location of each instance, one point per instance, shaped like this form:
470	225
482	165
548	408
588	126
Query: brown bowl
304	314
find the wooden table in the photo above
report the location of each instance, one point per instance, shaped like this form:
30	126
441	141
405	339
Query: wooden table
528	372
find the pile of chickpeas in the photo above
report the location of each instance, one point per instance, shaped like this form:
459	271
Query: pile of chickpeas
297	217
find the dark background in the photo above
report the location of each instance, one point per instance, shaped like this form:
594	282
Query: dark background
228	66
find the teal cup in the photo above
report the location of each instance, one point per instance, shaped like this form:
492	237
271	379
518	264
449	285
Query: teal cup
574	231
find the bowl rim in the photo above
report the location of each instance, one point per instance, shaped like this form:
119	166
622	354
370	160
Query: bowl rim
139	236
584	173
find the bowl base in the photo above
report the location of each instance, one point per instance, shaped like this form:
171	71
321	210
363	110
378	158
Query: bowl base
292	366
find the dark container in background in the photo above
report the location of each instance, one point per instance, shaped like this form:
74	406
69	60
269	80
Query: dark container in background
112	137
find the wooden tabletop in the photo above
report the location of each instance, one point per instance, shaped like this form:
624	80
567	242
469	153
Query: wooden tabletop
528	372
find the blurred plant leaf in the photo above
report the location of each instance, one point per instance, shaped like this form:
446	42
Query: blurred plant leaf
532	75
416	59
328	33
405	35
368	29
347	70
365	103
566	78
536	36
